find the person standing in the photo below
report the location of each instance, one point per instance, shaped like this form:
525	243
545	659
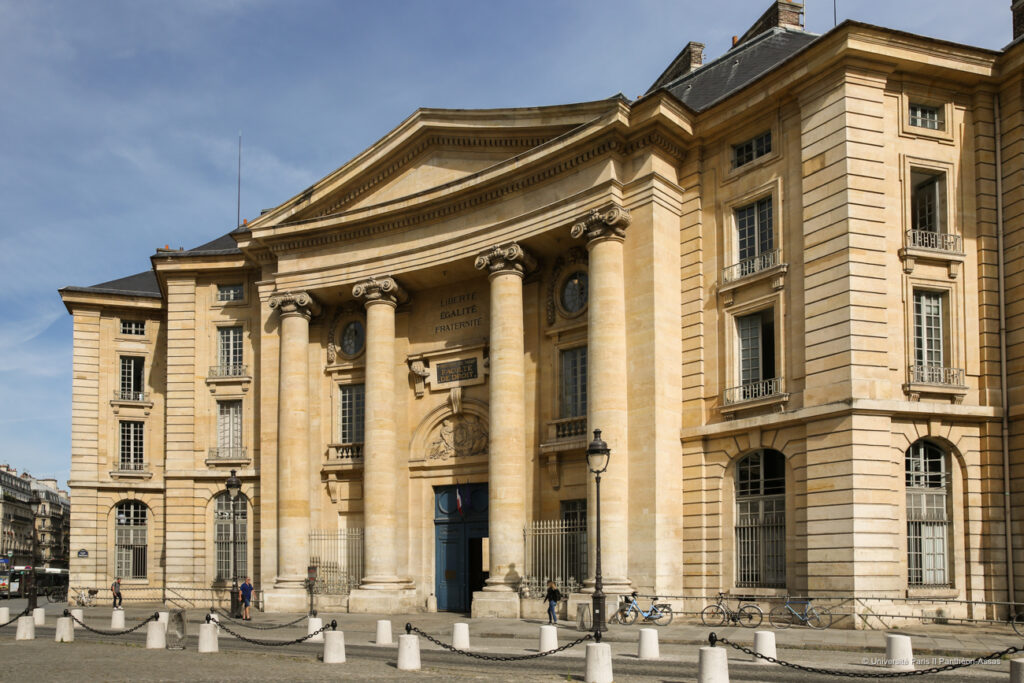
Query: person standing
553	596
245	595
115	589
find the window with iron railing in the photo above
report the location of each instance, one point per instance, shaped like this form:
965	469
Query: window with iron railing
229	352
229	429
351	421
755	240
573	399
132	372
761	520
930	341
131	446
231	522
756	336
928	517
131	542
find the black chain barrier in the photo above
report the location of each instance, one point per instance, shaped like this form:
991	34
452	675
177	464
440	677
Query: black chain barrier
24	612
712	639
155	617
276	643
409	628
221	614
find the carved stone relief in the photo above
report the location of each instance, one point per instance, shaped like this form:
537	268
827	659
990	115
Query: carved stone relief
460	436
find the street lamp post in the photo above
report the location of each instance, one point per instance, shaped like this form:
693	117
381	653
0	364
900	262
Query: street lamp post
233	485
598	455
30	575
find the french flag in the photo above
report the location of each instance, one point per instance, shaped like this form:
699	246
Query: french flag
458	499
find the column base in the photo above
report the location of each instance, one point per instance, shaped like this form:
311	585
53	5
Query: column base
496	604
383	601
285	600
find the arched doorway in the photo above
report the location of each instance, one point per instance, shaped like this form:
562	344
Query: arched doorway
460	544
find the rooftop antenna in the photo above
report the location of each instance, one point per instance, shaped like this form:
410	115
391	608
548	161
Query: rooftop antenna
238	210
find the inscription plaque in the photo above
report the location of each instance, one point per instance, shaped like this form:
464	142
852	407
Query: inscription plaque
457	370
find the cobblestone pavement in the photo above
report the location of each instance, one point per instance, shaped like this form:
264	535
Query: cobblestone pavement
94	657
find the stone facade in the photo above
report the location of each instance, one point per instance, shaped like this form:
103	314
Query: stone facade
789	295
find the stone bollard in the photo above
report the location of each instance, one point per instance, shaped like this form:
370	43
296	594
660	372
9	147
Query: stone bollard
898	652
26	629
5	615
648	648
79	614
1017	671
712	665
408	652
384	633
764	644
65	634
599	663
334	647
315	624
156	636
548	638
208	638
117	619
460	636
39	616
165	618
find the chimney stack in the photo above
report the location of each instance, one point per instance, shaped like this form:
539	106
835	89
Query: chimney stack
1018	18
690	59
781	14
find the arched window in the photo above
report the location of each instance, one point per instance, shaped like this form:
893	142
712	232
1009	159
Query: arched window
761	520
927	515
230	521
130	539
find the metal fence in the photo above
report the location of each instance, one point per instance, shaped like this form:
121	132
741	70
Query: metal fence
338	557
556	550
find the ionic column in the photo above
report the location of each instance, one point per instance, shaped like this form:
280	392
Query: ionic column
381	296
293	455
605	232
506	460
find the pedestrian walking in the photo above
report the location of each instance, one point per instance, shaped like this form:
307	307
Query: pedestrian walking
553	596
115	589
245	595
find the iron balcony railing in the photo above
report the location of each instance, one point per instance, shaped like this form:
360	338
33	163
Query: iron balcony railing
737	271
936	374
229	370
345	451
228	453
751	391
935	241
129	395
132	466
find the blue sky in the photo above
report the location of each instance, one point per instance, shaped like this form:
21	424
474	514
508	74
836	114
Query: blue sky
119	123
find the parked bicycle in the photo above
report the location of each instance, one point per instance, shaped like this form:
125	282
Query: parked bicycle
748	616
57	595
660	614
784	616
87	598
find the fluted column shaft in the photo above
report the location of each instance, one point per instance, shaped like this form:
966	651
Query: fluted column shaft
380	555
293	455
606	387
506	460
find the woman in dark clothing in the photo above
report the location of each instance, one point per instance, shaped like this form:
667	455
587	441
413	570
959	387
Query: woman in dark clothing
552	596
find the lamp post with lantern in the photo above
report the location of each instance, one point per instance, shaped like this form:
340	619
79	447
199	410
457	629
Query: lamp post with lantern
598	455
233	485
33	590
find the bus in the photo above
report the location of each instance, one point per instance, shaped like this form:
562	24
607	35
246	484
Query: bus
50	581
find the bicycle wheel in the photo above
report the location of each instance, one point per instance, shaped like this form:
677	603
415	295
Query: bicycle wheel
56	596
750	616
628	615
662	615
1018	624
819	617
781	617
713	615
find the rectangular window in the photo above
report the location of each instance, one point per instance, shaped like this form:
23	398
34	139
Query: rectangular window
351	413
133	327
924	116
757	346
229	429
754	229
229	350
928	201
751	149
574	382
230	293
131	454
132	378
928	329
130	540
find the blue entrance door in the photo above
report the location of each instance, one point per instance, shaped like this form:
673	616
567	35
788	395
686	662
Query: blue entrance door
459	544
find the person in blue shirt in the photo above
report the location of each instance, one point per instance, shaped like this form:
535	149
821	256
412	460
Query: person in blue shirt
245	595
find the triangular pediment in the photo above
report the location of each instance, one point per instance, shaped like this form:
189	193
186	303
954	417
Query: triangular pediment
433	149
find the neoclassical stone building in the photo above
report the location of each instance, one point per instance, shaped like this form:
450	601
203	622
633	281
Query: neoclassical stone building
785	284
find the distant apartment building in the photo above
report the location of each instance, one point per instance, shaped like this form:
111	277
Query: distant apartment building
52	520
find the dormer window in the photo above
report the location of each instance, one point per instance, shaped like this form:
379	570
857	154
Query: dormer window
751	149
925	116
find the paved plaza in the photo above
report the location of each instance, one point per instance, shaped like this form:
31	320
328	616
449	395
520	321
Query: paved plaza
115	658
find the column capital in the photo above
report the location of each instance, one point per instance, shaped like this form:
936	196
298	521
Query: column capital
506	258
608	223
382	289
294	303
